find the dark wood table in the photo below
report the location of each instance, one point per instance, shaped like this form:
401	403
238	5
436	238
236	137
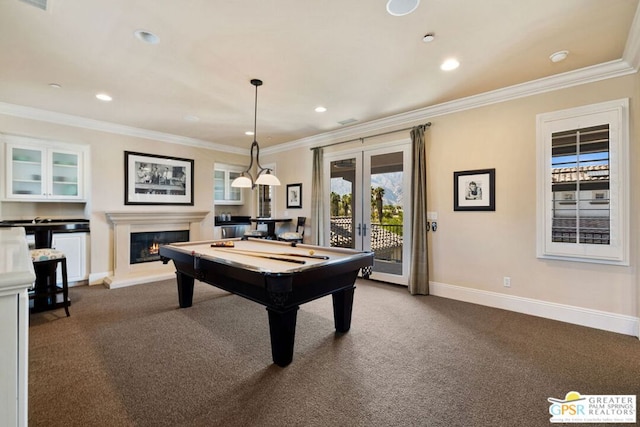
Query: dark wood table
282	285
271	225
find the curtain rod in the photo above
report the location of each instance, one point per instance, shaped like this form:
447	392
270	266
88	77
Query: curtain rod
368	136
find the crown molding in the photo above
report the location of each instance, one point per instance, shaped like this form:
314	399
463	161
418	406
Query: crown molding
102	126
632	49
608	70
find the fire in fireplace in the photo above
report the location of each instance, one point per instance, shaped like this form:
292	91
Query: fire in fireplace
145	246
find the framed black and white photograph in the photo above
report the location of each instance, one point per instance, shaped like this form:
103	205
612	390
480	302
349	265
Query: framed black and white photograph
294	195
157	180
474	190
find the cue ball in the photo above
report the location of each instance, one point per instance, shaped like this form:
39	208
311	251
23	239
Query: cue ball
311	252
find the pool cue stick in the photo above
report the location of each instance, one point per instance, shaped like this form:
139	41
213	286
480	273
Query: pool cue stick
275	253
264	255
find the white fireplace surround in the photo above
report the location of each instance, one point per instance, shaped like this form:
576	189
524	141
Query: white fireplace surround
125	223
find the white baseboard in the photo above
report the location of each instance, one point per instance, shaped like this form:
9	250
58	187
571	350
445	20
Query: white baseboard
612	322
115	282
98	278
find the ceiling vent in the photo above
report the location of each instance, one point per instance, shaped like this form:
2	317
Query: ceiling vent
40	4
347	121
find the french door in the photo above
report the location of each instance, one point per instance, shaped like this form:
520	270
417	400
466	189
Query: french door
369	206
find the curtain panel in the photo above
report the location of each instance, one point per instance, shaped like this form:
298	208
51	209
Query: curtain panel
419	268
317	192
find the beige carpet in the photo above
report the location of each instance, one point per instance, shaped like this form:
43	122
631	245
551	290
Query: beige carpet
131	357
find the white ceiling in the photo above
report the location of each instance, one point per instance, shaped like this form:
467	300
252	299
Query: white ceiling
350	56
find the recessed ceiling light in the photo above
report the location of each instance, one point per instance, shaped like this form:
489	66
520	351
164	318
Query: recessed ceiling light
402	7
146	36
559	56
320	109
104	97
428	38
249	132
191	118
55	85
450	64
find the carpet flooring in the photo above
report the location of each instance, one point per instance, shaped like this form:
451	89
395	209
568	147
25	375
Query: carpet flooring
132	357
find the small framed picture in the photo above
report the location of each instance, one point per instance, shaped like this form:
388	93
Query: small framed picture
474	190
294	195
157	180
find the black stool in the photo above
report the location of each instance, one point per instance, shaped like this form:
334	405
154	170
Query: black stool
46	290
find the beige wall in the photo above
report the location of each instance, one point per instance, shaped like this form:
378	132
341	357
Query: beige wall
107	182
473	250
476	250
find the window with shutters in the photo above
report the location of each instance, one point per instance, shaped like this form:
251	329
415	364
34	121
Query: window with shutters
583	184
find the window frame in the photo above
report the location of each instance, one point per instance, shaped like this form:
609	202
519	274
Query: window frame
272	191
616	114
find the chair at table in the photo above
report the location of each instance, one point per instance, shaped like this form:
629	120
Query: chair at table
261	234
295	236
46	290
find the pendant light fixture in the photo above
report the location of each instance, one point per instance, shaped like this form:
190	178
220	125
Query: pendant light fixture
264	176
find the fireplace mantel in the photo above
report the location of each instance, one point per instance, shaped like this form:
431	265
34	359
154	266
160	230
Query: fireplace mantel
155	217
125	223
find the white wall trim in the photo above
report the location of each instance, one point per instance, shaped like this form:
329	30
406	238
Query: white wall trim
85	123
607	70
597	319
98	278
631	52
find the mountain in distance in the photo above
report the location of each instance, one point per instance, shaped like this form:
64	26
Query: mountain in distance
391	182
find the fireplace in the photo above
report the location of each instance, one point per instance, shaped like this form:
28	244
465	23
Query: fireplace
145	246
126	270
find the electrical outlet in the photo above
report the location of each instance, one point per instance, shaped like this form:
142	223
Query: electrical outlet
506	281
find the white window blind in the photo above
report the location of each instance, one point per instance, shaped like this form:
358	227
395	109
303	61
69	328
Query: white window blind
583	184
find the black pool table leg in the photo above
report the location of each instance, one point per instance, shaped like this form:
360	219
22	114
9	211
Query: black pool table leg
282	327
342	308
185	290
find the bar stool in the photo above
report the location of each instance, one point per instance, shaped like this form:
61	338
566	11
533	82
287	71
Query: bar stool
295	236
261	234
46	290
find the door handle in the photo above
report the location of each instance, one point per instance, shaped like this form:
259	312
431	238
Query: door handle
359	230
364	230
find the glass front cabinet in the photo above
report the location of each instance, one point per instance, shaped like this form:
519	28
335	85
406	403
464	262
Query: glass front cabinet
223	192
45	171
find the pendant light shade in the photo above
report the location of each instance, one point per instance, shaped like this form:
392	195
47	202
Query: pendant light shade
264	176
267	179
242	182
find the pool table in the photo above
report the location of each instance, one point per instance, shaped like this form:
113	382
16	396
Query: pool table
278	275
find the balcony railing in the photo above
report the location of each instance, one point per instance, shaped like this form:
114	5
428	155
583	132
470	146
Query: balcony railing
386	239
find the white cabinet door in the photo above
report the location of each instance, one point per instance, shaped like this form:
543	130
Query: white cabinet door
65	175
16	276
26	169
9	360
38	170
74	246
223	192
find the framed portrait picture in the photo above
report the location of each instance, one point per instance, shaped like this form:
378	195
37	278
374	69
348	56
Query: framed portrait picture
294	195
157	180
474	190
